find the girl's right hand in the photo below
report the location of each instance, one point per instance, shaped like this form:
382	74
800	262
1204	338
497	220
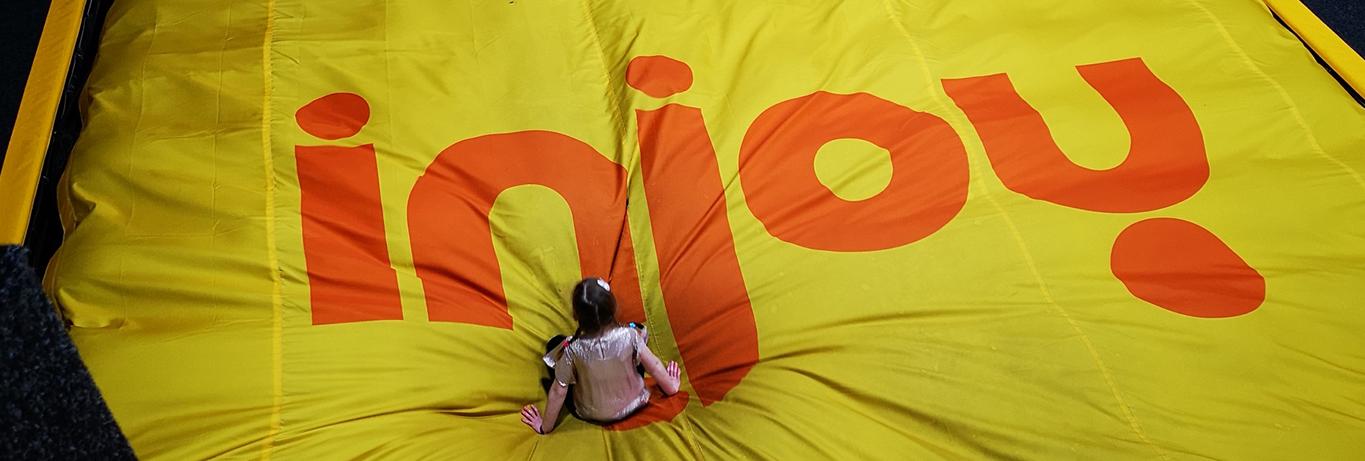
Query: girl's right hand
530	415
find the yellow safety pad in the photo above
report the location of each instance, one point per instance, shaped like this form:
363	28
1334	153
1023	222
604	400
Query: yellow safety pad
873	229
1347	63
33	124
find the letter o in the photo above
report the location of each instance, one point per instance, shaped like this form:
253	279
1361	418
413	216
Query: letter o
777	170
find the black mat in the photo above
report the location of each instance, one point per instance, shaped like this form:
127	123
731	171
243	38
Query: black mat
21	23
1345	17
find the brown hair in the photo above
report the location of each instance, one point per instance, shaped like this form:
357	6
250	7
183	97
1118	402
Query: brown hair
594	305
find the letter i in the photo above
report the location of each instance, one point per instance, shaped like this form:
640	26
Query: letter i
349	275
703	289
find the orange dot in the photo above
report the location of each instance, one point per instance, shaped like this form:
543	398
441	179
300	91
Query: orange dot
335	116
658	76
1184	268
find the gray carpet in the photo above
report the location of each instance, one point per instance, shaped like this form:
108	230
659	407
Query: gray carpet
49	404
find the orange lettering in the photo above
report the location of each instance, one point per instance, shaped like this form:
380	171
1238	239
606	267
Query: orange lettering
452	244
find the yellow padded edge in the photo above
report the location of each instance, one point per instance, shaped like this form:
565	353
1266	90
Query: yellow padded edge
1347	63
37	112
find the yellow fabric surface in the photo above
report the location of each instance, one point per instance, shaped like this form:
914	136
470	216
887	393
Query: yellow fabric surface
1005	334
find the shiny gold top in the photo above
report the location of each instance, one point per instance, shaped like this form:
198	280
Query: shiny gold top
607	385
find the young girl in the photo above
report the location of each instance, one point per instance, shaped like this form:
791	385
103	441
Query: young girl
601	361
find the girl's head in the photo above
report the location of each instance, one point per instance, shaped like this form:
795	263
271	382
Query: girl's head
594	306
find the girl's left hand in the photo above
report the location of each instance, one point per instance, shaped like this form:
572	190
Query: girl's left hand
674	372
531	416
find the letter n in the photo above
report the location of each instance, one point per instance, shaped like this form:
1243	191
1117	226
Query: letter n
452	243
